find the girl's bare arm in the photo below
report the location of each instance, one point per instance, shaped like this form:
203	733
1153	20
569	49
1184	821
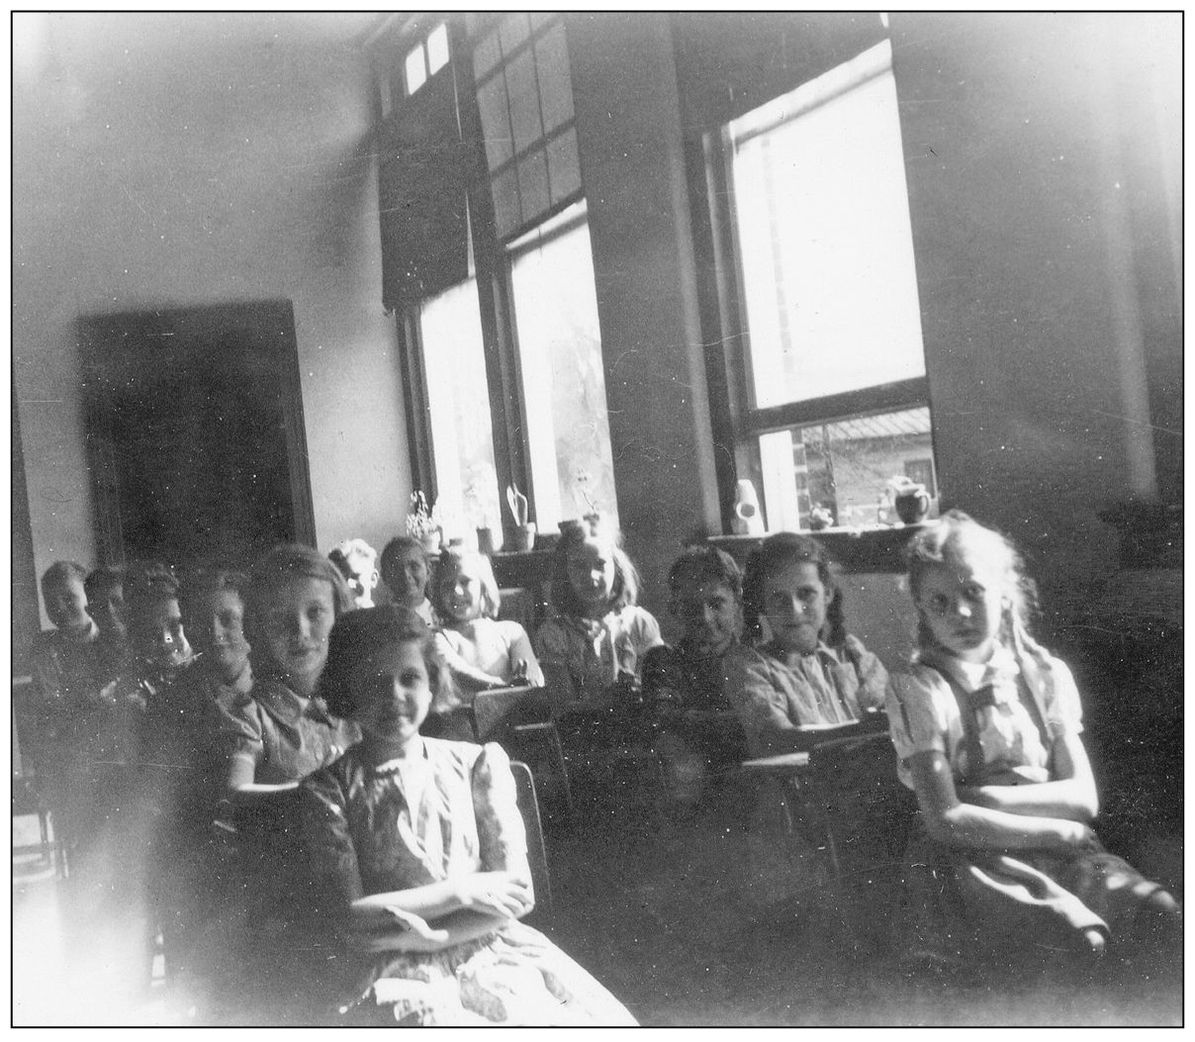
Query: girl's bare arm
970	826
1071	795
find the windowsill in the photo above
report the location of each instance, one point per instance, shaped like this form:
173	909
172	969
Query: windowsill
879	549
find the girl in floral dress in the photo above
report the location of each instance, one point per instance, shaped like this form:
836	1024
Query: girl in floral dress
418	854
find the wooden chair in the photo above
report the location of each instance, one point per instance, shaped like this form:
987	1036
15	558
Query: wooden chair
537	852
28	795
29	800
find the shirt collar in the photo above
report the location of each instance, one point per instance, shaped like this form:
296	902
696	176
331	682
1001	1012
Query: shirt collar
998	670
823	652
87	636
285	704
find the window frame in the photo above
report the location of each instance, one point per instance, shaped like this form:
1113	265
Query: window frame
492	258
737	421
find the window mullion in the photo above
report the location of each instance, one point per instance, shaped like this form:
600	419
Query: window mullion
726	338
493	292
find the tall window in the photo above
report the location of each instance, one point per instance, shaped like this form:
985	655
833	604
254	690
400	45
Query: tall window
505	376
561	359
828	295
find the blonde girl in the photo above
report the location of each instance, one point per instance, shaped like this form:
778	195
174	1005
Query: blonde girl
480	651
598	634
987	727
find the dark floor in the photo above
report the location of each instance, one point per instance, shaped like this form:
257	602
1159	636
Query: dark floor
690	919
704	922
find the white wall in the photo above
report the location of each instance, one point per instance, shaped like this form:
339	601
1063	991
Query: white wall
185	160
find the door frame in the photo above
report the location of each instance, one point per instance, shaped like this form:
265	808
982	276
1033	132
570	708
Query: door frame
95	333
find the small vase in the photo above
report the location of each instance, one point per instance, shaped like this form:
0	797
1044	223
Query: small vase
489	540
912	504
747	517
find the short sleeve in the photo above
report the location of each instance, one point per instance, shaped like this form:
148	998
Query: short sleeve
761	706
915	718
237	736
647	632
328	843
1064	709
501	835
511	632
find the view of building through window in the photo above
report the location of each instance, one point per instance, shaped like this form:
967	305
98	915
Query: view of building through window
846	468
829	285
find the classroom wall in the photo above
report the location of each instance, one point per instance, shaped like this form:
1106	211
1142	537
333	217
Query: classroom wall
1038	193
173	161
632	165
179	161
1042	161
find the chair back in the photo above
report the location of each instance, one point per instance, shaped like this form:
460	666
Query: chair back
537	853
499	709
850	770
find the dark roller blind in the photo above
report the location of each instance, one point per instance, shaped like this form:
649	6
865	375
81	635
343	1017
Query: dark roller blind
422	176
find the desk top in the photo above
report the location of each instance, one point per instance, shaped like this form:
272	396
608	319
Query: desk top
781	764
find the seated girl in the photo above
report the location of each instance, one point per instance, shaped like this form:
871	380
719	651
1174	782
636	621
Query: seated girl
280	730
808	672
986	725
418	853
480	651
405	570
591	649
699	727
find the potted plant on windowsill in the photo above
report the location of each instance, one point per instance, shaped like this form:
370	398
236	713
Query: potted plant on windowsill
422	523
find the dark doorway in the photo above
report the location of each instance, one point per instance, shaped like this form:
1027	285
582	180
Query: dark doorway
195	433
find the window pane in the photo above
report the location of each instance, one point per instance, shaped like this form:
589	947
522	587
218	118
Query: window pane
533	185
513	30
416	70
825	243
564	167
437	49
495	127
524	101
563	380
459	401
486	55
556	91
847	468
